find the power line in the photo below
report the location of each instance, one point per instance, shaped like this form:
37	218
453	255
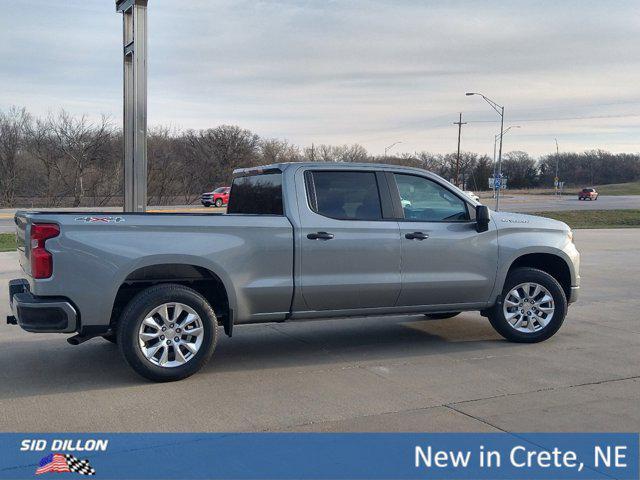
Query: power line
560	119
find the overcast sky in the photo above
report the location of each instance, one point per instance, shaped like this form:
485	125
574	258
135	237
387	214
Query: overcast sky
368	72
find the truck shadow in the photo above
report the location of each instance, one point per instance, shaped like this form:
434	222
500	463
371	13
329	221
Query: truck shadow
40	366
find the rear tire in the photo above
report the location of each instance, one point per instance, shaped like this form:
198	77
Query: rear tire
441	316
546	316
173	321
111	337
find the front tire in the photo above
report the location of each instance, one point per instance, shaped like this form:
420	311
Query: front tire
532	308
167	332
219	202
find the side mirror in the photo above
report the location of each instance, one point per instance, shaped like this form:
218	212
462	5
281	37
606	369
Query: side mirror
482	218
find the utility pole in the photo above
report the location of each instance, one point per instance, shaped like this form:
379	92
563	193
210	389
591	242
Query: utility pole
134	43
459	123
556	180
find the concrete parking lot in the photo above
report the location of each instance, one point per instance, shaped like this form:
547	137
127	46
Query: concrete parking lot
374	374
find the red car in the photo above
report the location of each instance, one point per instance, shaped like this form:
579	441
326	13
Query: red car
219	197
588	193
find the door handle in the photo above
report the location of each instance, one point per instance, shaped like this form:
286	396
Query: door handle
320	236
416	236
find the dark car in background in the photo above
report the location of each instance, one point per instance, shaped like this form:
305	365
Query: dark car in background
588	194
219	197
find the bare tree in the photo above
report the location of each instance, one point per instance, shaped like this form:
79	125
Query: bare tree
69	160
80	146
277	151
341	153
213	154
13	125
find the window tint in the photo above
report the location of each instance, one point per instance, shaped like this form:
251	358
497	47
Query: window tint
258	194
426	201
219	190
345	195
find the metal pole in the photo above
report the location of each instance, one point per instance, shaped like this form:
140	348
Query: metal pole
495	165
386	149
556	180
459	123
134	40
500	158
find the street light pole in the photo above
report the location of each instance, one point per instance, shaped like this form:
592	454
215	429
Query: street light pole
500	111
500	158
495	141
386	149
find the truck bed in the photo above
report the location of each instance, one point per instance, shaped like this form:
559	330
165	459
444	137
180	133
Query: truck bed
97	252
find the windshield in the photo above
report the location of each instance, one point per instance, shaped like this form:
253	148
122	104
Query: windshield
220	190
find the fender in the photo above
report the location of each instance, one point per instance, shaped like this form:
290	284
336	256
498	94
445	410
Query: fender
183	259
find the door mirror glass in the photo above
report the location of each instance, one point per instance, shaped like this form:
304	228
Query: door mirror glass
482	218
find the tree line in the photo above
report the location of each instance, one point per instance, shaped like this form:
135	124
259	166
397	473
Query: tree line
66	160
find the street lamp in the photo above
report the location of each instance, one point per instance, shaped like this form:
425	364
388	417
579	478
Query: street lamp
495	140
500	111
386	149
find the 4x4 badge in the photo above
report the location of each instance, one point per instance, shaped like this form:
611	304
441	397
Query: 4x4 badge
100	219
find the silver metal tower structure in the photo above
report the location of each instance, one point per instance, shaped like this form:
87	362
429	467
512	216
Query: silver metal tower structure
134	39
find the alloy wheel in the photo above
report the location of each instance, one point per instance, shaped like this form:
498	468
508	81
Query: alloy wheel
528	307
171	335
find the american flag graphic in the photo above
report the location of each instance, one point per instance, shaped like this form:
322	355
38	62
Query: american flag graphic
61	463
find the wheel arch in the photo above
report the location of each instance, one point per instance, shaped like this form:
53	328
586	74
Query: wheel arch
552	263
211	283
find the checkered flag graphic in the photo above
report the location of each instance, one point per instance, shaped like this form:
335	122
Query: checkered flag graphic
83	467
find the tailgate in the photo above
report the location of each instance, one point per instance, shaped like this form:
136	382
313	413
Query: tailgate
23	224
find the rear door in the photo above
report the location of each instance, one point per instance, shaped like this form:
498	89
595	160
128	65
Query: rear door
445	260
350	244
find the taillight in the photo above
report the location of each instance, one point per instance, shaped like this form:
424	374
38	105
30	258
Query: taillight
41	260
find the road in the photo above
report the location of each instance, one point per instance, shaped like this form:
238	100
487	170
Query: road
549	203
375	374
512	203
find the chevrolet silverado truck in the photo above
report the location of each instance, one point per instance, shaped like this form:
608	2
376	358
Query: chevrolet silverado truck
299	241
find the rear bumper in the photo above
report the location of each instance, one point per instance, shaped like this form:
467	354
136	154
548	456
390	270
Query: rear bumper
40	314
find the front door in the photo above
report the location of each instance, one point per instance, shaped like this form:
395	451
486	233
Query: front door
445	260
350	251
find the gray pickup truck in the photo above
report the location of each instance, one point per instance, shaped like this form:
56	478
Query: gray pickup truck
299	241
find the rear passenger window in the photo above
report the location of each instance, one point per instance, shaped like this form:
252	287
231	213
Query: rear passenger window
258	194
344	195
